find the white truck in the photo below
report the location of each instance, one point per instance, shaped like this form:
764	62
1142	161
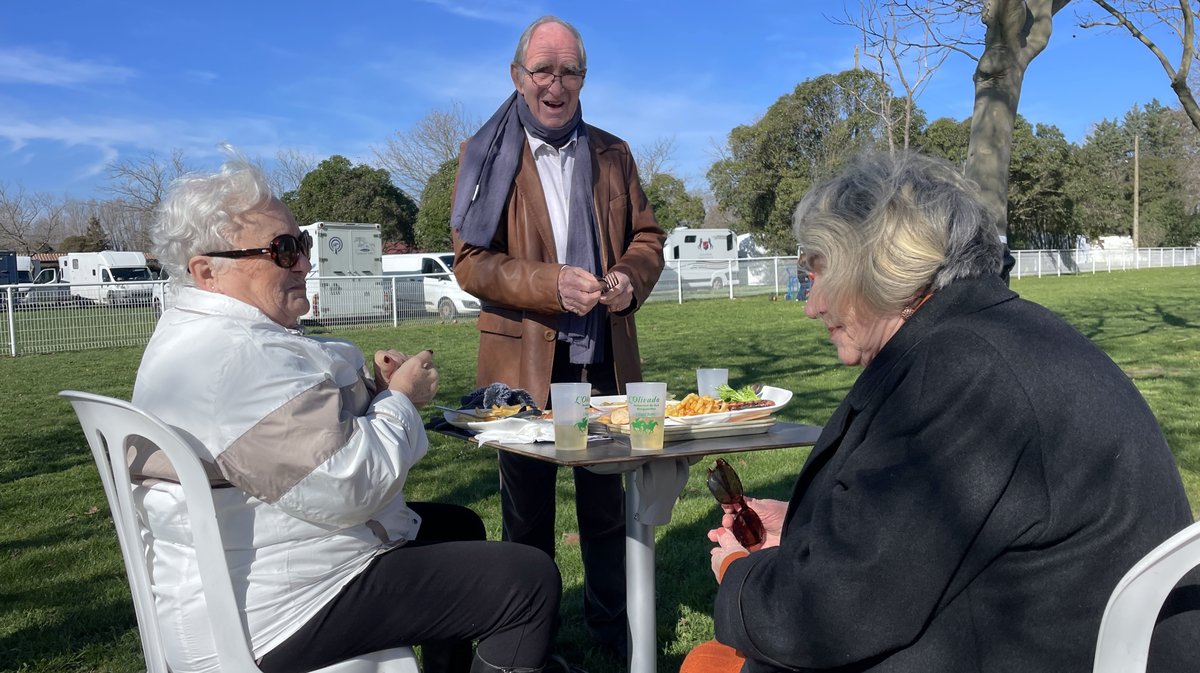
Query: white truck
439	290
345	283
702	256
108	277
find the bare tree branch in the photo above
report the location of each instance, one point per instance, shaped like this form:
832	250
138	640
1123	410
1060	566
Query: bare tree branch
1139	18
30	222
653	158
289	170
138	185
142	180
412	157
889	41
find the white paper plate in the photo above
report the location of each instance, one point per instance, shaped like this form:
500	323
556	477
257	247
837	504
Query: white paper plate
777	395
608	402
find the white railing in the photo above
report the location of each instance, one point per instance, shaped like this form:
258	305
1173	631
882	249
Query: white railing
61	317
1057	262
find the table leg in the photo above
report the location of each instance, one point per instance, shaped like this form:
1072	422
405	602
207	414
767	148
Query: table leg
650	493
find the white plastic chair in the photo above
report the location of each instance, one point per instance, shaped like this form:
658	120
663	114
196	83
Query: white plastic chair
1123	645
108	423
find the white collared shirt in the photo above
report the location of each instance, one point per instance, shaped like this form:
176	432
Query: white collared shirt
555	167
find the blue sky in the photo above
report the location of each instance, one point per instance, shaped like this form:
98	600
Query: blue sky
84	86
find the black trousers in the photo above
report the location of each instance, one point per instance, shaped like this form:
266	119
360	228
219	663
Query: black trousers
441	591
527	496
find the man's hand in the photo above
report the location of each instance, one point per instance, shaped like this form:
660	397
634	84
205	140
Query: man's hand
578	290
416	379
619	294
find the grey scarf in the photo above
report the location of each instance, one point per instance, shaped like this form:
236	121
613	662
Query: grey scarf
489	166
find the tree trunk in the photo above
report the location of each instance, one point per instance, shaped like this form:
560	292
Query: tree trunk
1017	31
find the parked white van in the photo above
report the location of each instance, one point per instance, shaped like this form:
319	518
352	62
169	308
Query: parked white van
107	277
441	290
702	256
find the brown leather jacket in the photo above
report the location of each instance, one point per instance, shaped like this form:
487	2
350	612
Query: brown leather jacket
516	277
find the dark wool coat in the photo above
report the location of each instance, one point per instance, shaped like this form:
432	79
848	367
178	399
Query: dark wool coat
969	507
517	275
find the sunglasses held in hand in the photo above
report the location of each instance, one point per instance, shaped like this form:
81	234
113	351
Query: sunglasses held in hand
284	249
727	489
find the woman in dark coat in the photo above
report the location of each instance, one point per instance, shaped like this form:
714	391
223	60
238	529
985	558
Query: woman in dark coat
977	495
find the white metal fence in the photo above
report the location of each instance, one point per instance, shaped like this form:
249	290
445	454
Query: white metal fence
1057	262
56	317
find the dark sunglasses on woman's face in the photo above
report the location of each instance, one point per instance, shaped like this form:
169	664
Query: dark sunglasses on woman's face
727	489
284	249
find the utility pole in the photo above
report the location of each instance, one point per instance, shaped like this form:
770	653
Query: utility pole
1136	197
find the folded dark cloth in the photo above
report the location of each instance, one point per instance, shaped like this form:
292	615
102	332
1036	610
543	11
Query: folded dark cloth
497	394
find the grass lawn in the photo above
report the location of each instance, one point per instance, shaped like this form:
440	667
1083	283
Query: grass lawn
66	605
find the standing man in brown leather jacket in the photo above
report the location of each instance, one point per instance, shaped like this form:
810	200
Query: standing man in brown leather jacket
552	231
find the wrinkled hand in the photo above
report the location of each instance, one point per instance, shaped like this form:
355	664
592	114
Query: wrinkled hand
416	379
619	297
770	512
726	544
386	364
578	290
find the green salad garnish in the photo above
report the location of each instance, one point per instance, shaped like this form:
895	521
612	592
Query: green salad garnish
729	394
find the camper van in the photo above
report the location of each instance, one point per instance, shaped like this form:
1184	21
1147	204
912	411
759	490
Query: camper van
345	281
440	289
108	277
702	256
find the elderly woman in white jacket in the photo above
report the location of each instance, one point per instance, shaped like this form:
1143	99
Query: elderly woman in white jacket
309	454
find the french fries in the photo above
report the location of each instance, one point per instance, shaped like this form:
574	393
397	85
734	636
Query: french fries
497	412
696	405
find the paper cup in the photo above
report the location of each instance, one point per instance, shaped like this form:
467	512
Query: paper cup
570	403
647	402
708	379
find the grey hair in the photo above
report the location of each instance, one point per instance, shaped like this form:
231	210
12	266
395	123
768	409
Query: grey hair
523	43
200	213
892	227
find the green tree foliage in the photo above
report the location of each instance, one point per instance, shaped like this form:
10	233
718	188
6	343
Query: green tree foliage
1160	160
92	240
945	138
805	136
433	220
1040	209
1100	182
672	204
336	191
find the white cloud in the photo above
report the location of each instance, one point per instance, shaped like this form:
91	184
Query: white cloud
28	66
204	76
510	12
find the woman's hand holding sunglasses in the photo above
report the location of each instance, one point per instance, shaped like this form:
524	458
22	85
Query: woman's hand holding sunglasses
770	512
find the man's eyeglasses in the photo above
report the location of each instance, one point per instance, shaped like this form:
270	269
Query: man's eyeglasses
571	81
727	489
284	249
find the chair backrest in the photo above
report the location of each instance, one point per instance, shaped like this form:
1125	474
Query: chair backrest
108	424
1123	645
